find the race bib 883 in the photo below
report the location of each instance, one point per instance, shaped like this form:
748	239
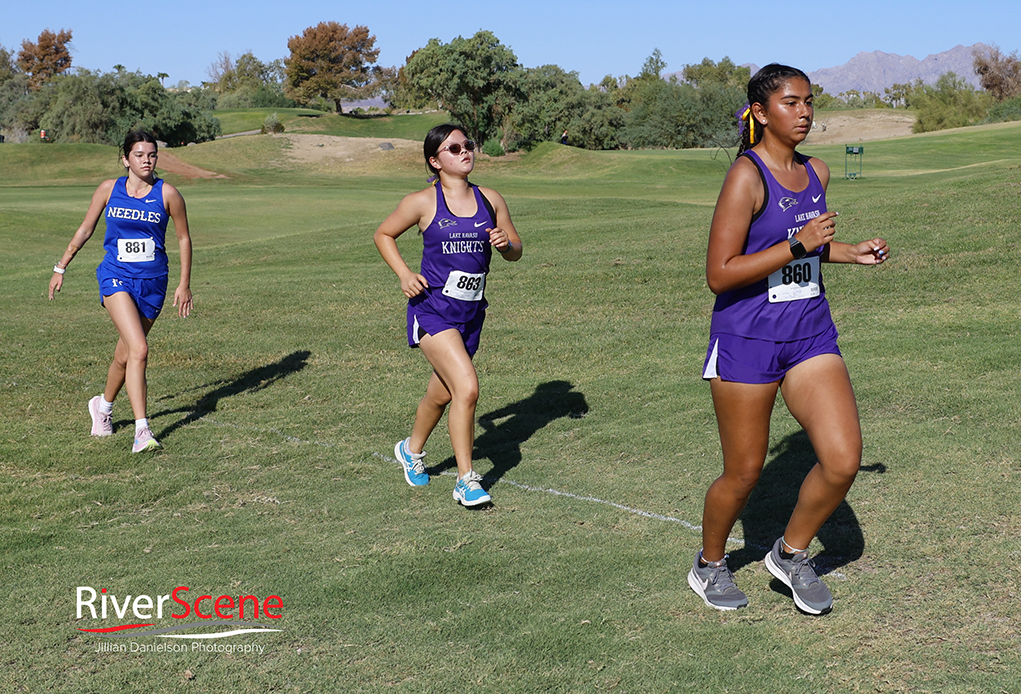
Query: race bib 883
465	286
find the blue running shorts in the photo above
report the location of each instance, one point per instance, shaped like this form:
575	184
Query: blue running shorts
148	294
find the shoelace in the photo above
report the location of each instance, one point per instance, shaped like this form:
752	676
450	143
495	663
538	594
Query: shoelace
722	577
801	565
471	480
416	464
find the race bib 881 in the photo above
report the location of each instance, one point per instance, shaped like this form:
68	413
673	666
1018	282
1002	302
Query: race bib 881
136	250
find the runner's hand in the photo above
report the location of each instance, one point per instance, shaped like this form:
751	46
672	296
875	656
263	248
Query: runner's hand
56	282
413	284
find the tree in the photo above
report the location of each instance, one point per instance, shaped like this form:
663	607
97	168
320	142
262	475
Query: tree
47	57
477	80
93	107
898	94
631	87
218	71
331	62
552	99
949	103
600	122
999	74
820	99
698	112
398	92
8	68
83	109
150	106
247	82
723	74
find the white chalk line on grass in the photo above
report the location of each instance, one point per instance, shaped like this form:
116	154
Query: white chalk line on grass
579	497
736	542
503	480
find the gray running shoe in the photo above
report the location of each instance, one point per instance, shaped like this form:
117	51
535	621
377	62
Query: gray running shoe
715	584
798	573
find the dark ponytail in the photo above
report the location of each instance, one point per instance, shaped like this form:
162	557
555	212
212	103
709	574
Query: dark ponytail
761	86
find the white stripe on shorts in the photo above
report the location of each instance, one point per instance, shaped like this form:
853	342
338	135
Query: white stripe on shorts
414	331
710	365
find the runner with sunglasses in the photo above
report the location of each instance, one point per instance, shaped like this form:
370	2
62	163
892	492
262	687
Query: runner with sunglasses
460	224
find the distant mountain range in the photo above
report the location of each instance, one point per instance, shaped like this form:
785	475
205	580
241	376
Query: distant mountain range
875	71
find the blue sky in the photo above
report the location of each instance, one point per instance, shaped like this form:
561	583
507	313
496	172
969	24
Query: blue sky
593	38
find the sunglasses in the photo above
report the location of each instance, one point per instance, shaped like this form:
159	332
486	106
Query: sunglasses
455	148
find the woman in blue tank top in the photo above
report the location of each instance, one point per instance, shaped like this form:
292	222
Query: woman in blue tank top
133	274
461	224
771	331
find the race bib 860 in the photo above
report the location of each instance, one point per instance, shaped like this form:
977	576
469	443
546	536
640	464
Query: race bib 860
797	280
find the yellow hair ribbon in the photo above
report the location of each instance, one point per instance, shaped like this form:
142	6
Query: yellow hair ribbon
747	116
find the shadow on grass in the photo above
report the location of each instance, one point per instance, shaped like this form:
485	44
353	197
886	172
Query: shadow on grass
250	381
771	503
501	442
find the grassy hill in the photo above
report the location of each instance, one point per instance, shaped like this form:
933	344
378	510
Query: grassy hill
310	121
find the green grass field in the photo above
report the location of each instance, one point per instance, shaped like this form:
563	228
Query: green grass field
279	400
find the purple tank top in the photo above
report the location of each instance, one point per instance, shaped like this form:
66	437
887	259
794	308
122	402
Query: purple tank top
455	260
748	311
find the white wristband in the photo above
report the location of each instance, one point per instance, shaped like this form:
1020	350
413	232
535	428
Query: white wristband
59	270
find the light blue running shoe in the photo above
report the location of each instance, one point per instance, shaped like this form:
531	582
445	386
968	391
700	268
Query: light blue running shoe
468	491
414	469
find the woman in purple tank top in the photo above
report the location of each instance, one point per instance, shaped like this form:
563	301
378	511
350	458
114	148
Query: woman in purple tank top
461	224
772	332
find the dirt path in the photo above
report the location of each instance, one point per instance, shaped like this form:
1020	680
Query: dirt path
314	148
842	127
168	162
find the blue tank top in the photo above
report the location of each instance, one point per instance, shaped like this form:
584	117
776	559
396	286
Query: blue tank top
455	260
748	311
136	231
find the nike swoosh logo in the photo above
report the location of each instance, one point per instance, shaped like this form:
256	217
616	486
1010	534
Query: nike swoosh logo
153	200
815	198
705	584
480	224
